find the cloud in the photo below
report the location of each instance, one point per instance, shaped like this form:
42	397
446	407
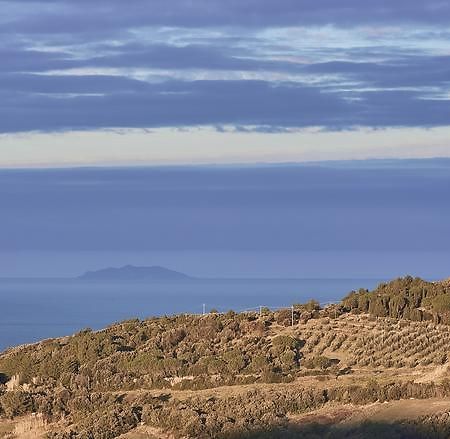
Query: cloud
272	65
86	16
174	103
46	103
412	71
25	60
256	208
31	86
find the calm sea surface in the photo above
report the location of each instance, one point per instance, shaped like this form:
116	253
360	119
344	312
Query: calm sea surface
34	309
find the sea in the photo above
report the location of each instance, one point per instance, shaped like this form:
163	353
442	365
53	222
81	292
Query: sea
36	309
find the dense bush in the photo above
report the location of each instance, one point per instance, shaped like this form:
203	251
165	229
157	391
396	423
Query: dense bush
311	305
212	350
403	298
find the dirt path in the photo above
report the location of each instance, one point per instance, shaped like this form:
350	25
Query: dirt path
144	432
387	412
435	375
399	410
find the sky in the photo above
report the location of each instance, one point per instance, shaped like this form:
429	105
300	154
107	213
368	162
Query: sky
373	219
237	138
188	82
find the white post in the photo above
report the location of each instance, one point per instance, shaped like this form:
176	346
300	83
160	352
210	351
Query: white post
292	315
260	310
204	308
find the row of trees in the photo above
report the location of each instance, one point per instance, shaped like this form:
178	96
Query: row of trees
404	298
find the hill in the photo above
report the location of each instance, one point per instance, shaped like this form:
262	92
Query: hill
336	372
130	272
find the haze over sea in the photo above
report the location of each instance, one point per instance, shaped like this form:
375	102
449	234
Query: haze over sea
35	309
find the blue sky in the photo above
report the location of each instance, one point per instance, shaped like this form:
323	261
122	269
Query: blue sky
204	81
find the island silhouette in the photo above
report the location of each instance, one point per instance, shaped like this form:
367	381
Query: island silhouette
131	272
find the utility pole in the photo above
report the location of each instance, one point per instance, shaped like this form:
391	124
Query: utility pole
260	310
292	315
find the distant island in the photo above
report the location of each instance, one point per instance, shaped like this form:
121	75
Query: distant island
130	272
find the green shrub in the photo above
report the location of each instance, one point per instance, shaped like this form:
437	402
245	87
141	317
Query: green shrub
235	360
311	305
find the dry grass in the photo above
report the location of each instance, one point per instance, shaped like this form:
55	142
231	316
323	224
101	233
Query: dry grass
388	412
144	432
27	427
6	429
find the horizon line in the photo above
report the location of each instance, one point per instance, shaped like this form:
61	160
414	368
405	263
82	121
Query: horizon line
166	165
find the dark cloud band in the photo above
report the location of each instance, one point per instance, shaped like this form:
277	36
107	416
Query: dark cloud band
86	16
73	65
34	102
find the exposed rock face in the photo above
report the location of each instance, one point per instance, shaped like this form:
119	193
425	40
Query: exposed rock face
13	384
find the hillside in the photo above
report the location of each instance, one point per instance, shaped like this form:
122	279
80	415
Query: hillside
130	272
243	375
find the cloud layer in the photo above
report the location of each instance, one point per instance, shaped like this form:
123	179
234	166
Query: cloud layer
67	16
271	65
372	206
